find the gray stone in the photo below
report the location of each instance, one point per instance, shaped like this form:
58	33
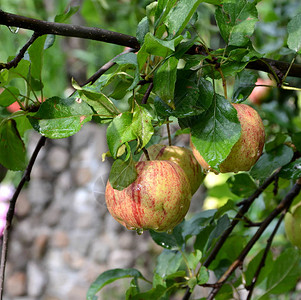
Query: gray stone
36	279
39	194
121	258
16	284
58	159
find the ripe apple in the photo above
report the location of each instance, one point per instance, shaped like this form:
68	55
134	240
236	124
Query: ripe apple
247	149
181	156
292	222
260	93
158	199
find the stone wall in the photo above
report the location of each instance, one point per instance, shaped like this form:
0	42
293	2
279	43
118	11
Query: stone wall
63	235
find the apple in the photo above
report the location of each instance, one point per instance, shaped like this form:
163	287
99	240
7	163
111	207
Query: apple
247	149
260	93
292	223
158	199
181	156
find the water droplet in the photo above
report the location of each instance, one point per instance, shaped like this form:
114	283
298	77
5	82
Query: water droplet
169	231
13	29
139	231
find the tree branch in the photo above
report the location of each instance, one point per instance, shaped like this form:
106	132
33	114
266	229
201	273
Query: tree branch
284	204
11	211
98	34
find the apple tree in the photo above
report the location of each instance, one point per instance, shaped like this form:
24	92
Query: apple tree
197	64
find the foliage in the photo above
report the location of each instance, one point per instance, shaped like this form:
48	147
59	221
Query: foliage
167	80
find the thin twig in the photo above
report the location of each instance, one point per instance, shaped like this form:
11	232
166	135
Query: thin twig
14	62
11	210
264	256
284	204
146	153
147	93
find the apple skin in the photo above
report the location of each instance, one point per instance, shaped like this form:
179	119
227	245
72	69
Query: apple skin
181	156
261	93
292	223
247	149
158	199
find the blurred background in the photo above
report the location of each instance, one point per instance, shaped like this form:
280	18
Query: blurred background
63	236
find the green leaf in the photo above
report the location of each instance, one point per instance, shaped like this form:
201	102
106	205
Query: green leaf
203	275
132	290
284	274
168	262
122	174
8	96
296	139
142	30
193	259
120	131
110	276
142	126
217	132
59	118
242	185
270	161
36	51
236	21
179	16
13	153
294	33
169	241
245	82
62	18
292	170
157	292
253	265
165	79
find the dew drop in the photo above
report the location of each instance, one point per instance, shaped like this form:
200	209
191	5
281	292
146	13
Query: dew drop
169	231
13	29
139	231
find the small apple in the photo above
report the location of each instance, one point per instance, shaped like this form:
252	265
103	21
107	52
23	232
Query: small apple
292	223
261	92
181	156
247	149
158	199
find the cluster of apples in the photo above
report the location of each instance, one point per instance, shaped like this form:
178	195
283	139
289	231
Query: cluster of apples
160	196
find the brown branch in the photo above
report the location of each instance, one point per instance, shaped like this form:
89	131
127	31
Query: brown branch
284	204
147	93
14	62
98	34
263	259
11	210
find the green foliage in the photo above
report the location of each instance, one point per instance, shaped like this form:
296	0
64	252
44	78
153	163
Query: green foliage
169	80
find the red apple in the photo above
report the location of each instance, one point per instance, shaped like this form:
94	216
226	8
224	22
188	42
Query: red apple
181	156
292	222
247	149
261	92
158	199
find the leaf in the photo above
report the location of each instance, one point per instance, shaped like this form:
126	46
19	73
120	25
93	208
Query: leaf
12	148
284	274
142	30
8	96
36	51
157	292
179	16
122	174
270	161
110	276
120	131
142	126
292	170
62	18
193	259
169	241
165	79
203	275
245	82
296	139
217	132
242	185
236	21
59	118
294	33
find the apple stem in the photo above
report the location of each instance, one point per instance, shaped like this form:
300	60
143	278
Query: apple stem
168	133
146	153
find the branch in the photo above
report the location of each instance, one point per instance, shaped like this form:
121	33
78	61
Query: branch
91	33
14	62
98	34
284	204
11	210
